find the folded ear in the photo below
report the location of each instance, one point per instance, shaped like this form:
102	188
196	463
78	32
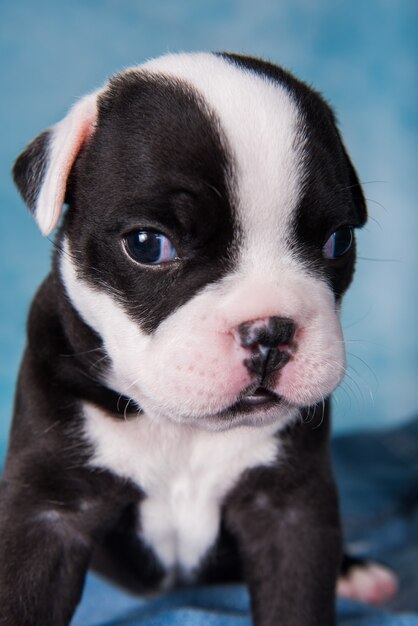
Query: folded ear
41	171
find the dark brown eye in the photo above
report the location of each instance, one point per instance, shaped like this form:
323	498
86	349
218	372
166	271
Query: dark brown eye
149	248
339	243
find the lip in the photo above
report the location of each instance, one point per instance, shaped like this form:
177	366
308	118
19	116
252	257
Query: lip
257	399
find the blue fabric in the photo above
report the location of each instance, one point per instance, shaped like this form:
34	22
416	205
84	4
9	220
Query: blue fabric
215	606
378	478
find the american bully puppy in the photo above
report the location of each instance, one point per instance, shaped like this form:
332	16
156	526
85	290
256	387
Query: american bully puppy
172	412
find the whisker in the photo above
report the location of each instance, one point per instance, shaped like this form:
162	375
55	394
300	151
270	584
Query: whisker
321	421
359	320
379	204
51	427
375	221
363	362
75	354
365	258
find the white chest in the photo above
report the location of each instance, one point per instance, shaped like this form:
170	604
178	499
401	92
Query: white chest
185	473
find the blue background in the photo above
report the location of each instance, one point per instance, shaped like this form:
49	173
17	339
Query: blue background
361	55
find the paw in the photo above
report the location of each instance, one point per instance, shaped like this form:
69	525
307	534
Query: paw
369	582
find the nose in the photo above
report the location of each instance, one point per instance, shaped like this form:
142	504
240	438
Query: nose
268	341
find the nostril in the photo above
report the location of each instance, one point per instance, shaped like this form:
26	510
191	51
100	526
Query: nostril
265	361
283	329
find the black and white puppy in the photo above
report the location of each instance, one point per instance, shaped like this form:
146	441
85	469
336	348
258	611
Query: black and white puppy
172	415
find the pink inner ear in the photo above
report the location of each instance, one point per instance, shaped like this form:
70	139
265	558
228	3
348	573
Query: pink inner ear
68	137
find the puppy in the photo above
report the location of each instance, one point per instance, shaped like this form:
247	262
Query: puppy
172	411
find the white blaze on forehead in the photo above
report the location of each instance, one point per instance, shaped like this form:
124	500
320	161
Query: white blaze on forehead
263	129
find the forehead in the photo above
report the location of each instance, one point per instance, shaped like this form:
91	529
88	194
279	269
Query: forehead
261	126
204	117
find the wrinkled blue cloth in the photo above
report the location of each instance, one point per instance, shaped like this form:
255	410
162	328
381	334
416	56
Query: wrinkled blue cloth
209	606
378	478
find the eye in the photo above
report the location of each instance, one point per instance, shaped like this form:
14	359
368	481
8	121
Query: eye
339	243
149	248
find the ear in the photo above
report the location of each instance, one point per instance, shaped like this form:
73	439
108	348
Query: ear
41	171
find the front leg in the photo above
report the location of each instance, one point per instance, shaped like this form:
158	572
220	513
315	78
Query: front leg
47	535
53	507
44	555
290	545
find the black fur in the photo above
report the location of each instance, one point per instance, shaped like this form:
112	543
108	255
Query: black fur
29	169
174	135
157	159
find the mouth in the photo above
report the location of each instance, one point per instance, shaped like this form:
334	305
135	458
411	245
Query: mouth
254	400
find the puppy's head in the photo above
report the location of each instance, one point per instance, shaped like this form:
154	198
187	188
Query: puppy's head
209	235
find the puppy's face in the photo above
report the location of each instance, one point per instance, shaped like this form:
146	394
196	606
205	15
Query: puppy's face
209	236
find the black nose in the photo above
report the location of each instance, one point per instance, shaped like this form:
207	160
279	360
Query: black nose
269	341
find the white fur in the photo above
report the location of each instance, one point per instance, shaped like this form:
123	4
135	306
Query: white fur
192	367
371	582
185	472
263	129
